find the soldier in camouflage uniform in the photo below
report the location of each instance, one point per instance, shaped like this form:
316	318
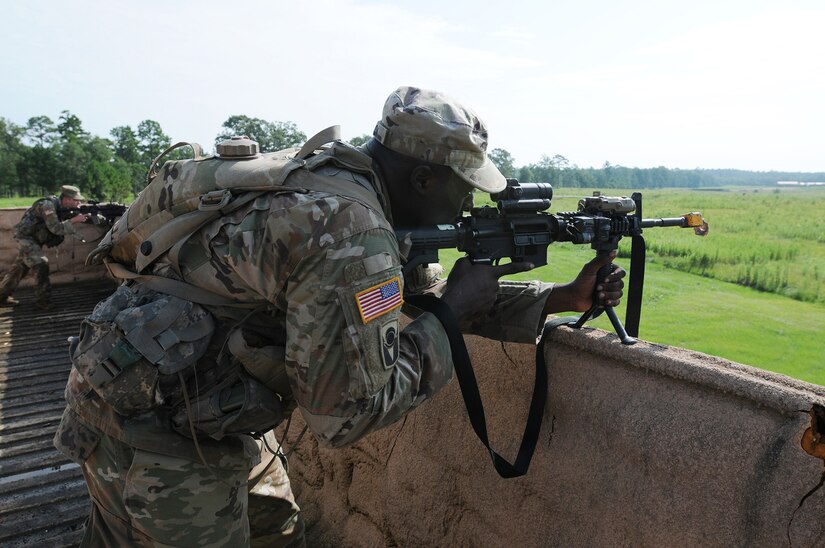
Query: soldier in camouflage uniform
40	226
324	270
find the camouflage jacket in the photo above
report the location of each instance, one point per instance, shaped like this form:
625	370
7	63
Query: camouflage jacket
327	270
41	223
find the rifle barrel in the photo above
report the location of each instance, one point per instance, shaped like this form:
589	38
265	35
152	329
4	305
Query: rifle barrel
667	221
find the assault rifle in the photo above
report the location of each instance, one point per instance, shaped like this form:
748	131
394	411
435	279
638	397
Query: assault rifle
519	228
98	213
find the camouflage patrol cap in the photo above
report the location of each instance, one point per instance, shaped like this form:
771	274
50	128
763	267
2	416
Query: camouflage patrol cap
72	192
431	126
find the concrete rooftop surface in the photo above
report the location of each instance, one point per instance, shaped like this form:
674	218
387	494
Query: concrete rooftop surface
43	499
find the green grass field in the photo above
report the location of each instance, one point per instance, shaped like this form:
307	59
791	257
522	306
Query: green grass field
16	202
752	291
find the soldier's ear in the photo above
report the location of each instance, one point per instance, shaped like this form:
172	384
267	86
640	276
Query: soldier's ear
422	178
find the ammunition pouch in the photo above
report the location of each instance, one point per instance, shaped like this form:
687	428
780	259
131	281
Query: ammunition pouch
134	344
139	348
254	397
242	406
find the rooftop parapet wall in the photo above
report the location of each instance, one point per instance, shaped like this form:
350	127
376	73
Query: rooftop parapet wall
65	261
645	445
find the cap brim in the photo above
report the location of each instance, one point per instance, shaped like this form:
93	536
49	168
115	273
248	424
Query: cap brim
487	177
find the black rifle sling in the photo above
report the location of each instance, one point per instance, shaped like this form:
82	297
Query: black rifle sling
633	312
472	398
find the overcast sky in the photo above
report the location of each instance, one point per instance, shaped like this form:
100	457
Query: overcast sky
706	83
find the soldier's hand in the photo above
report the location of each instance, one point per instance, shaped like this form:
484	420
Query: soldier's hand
79	218
577	296
472	289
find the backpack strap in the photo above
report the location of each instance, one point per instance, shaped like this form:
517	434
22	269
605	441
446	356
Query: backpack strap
328	135
176	288
212	205
196	150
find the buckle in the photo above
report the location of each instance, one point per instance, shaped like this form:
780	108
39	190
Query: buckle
122	355
215	200
105	372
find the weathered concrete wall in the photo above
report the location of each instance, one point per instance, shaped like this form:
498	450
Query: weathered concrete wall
641	446
65	261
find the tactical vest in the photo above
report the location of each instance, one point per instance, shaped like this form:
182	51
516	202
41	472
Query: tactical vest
136	365
33	227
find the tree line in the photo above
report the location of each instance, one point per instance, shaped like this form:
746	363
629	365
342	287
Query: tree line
40	156
558	171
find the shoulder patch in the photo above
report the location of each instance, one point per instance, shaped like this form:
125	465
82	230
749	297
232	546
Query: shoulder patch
389	343
379	299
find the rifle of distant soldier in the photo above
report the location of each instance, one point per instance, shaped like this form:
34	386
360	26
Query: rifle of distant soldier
97	213
518	228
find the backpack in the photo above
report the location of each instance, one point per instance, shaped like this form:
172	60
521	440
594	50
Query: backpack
185	195
140	347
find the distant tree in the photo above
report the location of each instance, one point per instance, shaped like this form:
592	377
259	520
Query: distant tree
360	140
527	174
70	128
151	141
107	181
74	156
12	152
504	161
135	151
125	144
37	171
270	136
41	130
560	164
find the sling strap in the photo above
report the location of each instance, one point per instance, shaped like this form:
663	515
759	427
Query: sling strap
472	398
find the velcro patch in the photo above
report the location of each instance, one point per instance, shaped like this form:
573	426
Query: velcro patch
379	299
389	343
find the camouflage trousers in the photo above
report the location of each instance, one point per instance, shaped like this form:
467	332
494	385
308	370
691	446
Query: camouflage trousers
29	256
141	498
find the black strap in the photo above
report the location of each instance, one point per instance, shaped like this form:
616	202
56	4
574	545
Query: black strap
633	312
472	398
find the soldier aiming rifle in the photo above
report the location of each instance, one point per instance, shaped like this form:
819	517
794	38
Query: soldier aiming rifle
41	226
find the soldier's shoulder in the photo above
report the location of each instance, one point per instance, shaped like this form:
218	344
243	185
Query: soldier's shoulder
46	204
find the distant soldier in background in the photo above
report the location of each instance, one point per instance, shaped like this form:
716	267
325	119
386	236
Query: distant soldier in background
40	226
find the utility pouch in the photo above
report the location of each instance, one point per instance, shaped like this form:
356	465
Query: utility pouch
135	340
238	407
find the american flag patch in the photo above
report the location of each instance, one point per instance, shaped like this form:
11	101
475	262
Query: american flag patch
379	299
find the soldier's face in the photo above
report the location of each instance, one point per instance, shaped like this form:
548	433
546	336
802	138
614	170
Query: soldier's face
446	201
430	195
70	202
460	196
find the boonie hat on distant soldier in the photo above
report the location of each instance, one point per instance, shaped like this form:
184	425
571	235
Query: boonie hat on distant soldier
431	126
72	192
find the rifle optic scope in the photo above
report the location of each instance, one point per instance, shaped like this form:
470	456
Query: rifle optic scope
523	196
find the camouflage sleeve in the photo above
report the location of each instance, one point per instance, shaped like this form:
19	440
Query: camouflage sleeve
53	222
517	315
352	369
